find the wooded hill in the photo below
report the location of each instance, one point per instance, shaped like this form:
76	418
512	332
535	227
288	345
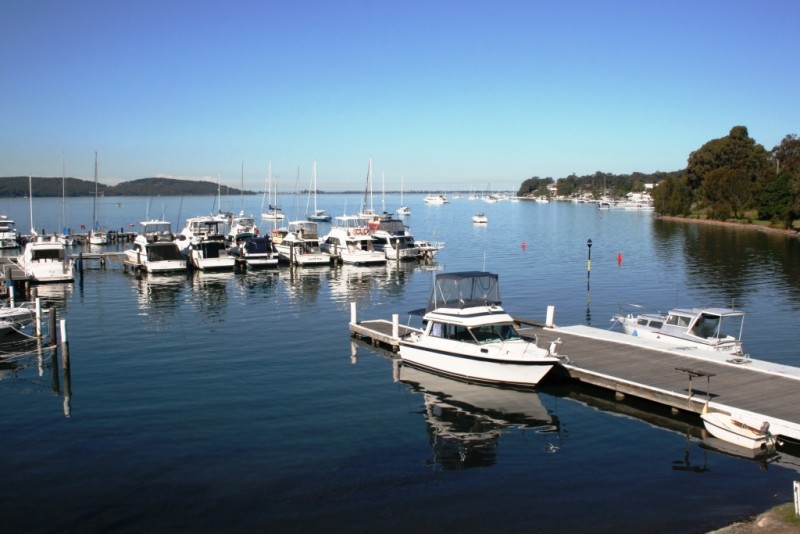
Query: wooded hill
17	186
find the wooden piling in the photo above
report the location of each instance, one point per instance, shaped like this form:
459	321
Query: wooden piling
52	326
64	346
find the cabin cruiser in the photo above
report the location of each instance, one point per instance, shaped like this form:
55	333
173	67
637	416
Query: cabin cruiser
480	218
436	199
299	245
203	245
467	334
350	241
713	329
154	248
395	240
258	252
46	260
240	227
9	237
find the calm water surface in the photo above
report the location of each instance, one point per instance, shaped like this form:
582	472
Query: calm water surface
238	402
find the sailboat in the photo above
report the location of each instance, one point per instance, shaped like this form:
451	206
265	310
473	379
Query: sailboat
317	215
403	209
97	236
274	213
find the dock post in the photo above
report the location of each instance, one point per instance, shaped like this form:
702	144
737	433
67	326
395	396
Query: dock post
551	313
395	325
37	328
11	294
353	313
52	326
64	345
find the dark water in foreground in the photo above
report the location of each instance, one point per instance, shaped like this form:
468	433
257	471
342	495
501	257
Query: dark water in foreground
238	402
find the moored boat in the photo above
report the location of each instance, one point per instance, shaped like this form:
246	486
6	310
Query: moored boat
713	329
480	218
154	248
467	334
299	245
733	430
9	237
350	241
46	260
203	244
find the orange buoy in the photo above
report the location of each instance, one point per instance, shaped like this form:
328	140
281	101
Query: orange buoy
619	259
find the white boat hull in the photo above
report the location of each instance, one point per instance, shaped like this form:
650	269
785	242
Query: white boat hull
724	427
497	365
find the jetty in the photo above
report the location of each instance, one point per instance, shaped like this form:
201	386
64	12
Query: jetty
690	380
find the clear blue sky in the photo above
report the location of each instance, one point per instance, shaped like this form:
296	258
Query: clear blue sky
449	94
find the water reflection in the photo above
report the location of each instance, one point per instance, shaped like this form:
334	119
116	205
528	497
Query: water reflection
730	261
158	295
210	294
465	421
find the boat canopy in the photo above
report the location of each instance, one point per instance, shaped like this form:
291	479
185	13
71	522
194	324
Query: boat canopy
464	290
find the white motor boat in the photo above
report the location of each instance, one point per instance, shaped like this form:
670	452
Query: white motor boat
15	318
467	334
154	248
713	329
436	199
9	237
203	245
350	241
46	260
241	227
395	240
258	252
728	428
480	218
299	245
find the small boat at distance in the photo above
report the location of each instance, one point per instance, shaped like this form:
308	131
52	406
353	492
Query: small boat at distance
713	329
9	237
467	334
480	218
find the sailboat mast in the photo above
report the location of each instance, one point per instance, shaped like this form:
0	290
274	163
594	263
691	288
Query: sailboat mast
94	214
30	203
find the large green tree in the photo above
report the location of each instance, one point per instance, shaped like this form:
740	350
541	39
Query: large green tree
673	196
740	155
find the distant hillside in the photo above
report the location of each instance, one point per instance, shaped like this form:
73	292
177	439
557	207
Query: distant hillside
17	186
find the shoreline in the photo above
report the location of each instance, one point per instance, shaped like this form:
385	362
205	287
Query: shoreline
748	226
777	520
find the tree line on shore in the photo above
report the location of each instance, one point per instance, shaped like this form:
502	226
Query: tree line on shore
732	178
18	186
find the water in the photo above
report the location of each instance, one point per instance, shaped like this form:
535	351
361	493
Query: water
237	402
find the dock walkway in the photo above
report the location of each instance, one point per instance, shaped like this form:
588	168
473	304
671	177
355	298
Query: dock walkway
680	378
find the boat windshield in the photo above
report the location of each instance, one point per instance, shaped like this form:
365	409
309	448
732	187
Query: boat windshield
495	333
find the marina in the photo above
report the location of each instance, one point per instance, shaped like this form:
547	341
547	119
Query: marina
297	425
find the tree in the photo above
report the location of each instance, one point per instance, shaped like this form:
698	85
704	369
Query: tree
672	196
727	192
736	152
776	199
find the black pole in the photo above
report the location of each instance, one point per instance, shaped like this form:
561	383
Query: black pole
589	264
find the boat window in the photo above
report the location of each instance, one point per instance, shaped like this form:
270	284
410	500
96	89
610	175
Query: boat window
706	326
656	324
47	254
495	333
436	330
642	322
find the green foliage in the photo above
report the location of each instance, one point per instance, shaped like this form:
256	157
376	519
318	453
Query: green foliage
726	192
776	200
673	196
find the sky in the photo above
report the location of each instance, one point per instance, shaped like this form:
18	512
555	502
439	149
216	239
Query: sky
440	94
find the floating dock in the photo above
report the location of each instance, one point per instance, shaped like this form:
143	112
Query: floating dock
684	379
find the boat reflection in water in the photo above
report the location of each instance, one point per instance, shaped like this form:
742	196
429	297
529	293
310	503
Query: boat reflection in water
465	421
